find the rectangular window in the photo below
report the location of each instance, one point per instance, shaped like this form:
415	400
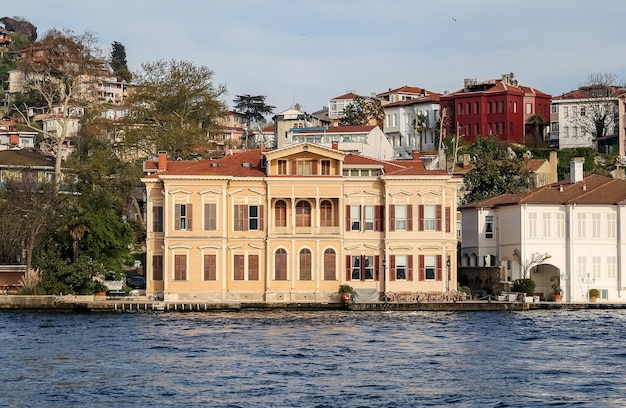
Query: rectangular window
532	225
182	217
430	271
565	111
369	217
611	267
529	108
581	266
547	226
401	267
560	225
355	218
554	126
400	218
180	267
356	267
157	267
554	108
610	225
281	167
304	167
595	225
581	224
489	226
596	267
430	218
325	167
157	219
369	267
210	217
210	267
239	267
248	217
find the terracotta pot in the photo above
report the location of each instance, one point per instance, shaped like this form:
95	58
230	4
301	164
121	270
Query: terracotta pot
101	293
593	299
557	298
345	298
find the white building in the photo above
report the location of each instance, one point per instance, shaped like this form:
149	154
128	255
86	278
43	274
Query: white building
580	223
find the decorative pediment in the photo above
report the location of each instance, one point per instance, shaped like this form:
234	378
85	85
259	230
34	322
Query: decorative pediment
209	247
306	147
400	192
180	191
429	192
209	191
179	246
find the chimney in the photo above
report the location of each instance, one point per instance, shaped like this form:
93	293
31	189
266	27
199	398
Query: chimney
416	155
335	145
576	170
162	161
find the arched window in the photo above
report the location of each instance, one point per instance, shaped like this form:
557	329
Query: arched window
326	214
280	213
280	264
303	214
305	264
330	264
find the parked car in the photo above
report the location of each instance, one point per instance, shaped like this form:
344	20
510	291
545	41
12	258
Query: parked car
136	282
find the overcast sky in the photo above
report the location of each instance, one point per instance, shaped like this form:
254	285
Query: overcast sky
310	51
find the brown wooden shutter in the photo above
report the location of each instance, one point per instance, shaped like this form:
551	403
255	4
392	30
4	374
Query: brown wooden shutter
363	267
238	267
210	217
448	219
237	218
377	268
438	219
180	267
157	219
392	267
261	218
348	226
189	214
379	218
409	217
439	269
210	267
294	167
177	217
392	217
422	274
157	267
420	222
314	167
253	267
348	268
330	271
409	267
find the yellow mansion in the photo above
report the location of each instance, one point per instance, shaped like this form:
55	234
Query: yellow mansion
293	224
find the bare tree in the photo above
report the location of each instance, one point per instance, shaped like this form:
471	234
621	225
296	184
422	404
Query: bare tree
63	70
527	265
597	112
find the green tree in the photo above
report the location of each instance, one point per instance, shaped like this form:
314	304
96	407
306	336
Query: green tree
361	111
496	170
537	124
252	107
118	61
175	108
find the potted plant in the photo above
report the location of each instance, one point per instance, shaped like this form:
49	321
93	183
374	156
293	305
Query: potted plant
593	295
345	292
557	292
525	286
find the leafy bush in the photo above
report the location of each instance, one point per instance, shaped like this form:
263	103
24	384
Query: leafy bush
594	293
524	286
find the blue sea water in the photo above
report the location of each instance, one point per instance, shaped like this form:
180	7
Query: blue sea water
542	358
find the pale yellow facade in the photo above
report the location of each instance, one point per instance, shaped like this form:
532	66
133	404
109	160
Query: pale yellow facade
295	223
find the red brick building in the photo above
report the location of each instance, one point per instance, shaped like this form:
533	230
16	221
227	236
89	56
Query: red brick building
497	107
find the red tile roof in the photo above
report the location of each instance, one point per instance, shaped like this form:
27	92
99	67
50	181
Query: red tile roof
592	189
339	129
349	95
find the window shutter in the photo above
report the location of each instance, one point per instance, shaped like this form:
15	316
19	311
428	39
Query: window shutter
348	218
363	267
348	267
439	269
253	267
422	274
379	218
420	222
210	267
189	214
157	219
237	218
210	214
294	167
238	267
448	219
438	221
177	217
261	218
314	167
392	267
377	268
392	217
409	267
409	217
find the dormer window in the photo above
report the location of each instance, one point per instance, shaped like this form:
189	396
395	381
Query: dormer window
281	167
